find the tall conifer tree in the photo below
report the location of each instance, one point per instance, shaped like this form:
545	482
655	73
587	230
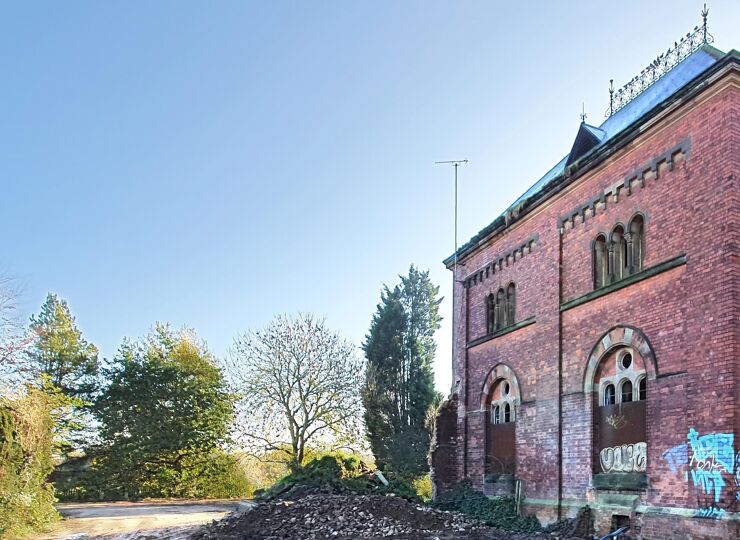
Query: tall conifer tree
399	386
60	352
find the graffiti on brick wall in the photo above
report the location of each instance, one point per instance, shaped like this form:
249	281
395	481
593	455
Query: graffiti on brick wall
616	421
708	465
624	458
737	478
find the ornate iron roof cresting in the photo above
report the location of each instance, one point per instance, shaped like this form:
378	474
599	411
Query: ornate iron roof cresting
660	66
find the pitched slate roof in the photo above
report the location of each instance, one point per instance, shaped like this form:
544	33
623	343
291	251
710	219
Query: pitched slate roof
595	138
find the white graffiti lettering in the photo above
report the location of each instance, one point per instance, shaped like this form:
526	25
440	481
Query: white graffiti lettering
624	458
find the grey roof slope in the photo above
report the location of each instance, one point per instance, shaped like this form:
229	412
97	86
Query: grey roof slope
669	84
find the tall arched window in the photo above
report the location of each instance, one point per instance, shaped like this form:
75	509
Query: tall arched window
601	262
635	244
610	395
510	304
626	392
491	313
496	414
500	309
617	254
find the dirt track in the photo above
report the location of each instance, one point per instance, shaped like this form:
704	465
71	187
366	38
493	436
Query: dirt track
136	521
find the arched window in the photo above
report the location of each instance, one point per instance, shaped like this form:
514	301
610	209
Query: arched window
507	413
634	244
620	416
617	254
491	313
610	395
495	414
500	310
510	304
642	389
601	262
626	394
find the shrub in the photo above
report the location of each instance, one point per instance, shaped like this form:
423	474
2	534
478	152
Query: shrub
26	498
423	487
216	475
341	473
498	512
223	478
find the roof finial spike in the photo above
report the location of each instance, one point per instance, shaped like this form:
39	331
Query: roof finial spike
611	97
583	113
704	14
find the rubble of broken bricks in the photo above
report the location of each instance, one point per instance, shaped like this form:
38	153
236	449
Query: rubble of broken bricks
345	517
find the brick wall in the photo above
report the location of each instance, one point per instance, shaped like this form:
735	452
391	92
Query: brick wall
688	314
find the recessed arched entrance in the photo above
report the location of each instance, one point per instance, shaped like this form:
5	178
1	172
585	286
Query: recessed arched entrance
619	368
500	400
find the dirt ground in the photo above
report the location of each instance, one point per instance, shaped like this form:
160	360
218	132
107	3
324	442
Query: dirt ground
170	520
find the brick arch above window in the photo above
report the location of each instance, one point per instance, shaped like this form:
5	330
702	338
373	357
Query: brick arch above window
619	337
498	373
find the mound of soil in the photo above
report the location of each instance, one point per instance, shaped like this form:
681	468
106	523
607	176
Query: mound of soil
345	517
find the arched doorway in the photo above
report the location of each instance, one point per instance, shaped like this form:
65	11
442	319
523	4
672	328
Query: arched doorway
617	376
500	400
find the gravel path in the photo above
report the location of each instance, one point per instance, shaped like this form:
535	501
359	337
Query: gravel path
170	520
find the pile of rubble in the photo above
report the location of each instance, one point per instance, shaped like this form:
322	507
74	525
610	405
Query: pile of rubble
580	526
344	517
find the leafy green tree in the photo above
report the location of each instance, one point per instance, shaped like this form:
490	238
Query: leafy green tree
163	416
60	352
399	383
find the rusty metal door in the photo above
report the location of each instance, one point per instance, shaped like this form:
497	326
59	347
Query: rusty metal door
620	438
500	448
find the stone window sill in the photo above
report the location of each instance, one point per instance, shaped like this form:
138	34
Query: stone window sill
502	332
635	481
626	282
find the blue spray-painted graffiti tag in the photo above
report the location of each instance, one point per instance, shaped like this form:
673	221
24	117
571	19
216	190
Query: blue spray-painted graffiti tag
708	462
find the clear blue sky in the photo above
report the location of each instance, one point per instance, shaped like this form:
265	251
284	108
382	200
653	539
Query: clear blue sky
212	164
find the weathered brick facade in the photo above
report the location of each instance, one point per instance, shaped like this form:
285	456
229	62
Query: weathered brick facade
677	166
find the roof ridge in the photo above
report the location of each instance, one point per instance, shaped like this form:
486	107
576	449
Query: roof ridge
687	70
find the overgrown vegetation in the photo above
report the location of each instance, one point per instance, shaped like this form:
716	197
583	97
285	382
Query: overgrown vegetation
339	473
498	512
217	475
26	498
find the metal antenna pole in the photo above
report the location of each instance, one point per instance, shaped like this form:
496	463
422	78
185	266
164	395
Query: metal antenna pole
455	163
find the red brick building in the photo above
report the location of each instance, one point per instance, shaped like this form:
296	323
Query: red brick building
596	321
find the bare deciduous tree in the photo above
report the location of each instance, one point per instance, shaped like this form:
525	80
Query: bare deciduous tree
299	387
14	339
